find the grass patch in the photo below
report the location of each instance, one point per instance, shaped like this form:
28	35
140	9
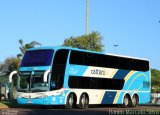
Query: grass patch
8	104
14	104
3	106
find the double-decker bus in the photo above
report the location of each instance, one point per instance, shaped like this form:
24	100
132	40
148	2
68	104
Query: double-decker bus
71	77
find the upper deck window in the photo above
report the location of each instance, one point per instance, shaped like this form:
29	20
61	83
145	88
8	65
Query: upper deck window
107	61
37	58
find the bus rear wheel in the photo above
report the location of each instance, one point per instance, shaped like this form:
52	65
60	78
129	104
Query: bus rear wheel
126	101
84	101
71	101
135	101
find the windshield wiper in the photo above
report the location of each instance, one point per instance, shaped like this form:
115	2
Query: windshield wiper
37	90
21	90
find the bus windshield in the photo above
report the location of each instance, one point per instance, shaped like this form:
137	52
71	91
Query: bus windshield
37	58
37	84
32	83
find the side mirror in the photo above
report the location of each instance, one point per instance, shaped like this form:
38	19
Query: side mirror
11	75
45	77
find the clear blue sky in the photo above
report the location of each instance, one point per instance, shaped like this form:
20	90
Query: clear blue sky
132	24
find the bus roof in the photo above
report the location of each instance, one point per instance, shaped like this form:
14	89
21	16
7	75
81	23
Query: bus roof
50	47
127	56
70	48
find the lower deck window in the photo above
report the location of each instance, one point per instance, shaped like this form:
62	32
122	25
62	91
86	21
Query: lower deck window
95	83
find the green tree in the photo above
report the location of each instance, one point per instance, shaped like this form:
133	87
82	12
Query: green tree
91	41
10	64
23	47
3	79
155	80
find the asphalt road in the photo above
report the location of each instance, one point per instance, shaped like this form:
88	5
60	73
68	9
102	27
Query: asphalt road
90	111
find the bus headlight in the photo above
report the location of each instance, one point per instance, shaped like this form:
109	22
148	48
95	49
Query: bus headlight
43	96
19	96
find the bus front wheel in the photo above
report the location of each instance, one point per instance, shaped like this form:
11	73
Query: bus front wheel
71	101
84	101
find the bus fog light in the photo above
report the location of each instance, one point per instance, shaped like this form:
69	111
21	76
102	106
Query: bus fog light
63	94
19	96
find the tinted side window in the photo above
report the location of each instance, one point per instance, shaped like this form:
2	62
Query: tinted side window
102	60
58	69
61	57
76	57
83	58
95	83
139	65
89	59
113	62
145	65
135	64
124	63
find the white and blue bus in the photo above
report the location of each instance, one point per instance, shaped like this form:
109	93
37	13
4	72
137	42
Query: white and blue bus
71	77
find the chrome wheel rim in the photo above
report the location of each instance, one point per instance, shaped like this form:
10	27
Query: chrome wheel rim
71	101
134	101
126	101
83	101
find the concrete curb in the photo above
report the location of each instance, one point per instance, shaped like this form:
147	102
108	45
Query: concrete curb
150	104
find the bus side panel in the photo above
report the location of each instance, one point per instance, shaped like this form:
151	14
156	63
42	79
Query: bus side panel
136	83
119	98
108	97
144	97
72	70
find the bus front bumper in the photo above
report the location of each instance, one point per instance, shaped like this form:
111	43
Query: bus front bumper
50	100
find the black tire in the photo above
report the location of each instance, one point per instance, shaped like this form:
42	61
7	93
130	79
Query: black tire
126	101
71	101
84	101
135	101
43	107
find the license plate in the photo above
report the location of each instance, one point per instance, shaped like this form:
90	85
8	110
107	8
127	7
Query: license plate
29	102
